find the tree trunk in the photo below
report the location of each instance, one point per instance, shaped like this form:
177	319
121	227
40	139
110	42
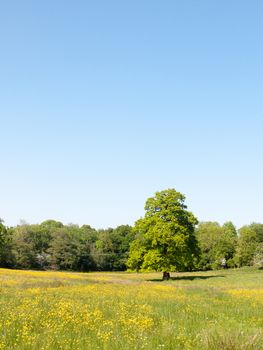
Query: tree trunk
166	276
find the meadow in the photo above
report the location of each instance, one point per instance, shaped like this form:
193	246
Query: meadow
201	310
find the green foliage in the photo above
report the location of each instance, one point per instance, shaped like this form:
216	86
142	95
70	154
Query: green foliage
258	229
6	246
30	245
165	239
246	247
111	249
249	246
52	245
258	256
3	233
217	244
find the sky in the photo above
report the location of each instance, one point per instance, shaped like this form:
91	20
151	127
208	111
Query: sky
103	103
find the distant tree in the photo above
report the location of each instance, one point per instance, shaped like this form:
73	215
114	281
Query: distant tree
164	238
217	244
246	246
103	250
88	233
51	225
30	245
229	242
64	250
7	258
122	236
3	233
258	256
87	237
258	229
230	230
24	252
111	248
207	234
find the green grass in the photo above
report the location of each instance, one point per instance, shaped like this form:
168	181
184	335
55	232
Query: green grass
201	310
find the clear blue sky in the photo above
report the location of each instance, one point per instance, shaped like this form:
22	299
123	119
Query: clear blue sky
103	103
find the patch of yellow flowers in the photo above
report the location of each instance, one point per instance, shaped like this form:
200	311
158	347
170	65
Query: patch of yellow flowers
251	294
38	314
74	311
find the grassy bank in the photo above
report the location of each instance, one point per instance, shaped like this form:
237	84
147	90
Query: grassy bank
202	310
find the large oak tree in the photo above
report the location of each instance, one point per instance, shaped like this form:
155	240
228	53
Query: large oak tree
165	239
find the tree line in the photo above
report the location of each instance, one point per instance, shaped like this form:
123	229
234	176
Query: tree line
167	238
52	245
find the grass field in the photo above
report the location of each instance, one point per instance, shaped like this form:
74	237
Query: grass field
202	310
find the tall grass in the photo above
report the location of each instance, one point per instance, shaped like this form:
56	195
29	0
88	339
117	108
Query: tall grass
57	310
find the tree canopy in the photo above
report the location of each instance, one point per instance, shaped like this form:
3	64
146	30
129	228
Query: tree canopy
217	244
164	237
